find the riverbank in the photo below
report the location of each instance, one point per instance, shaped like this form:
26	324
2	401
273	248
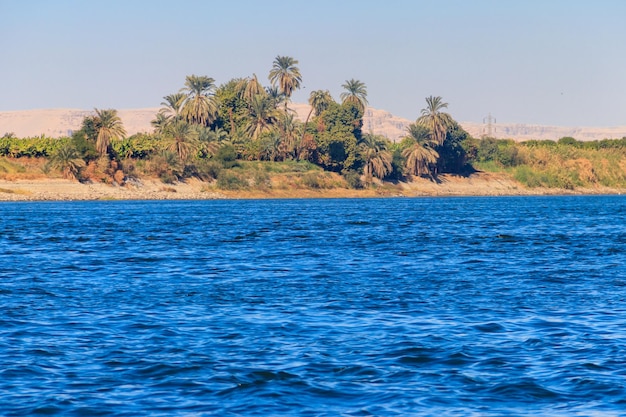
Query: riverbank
478	184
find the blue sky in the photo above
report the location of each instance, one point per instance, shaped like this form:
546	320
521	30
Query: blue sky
528	61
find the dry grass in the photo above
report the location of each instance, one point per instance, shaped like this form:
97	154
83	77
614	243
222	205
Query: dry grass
17	191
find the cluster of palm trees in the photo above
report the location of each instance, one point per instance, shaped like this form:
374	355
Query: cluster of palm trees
428	133
258	117
258	122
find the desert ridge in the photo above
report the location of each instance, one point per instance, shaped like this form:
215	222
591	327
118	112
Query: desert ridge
62	122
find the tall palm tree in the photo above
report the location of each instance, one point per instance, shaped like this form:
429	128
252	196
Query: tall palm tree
435	120
290	128
200	106
262	116
68	160
376	157
356	93
319	100
421	155
109	126
181	138
285	75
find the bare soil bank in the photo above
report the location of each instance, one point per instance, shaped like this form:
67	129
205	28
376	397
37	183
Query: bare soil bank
479	184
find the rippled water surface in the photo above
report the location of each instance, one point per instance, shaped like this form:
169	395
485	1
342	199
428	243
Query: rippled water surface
447	307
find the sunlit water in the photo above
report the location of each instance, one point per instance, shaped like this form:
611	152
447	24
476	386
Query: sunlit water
446	307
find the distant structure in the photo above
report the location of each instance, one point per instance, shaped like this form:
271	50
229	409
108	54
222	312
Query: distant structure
489	129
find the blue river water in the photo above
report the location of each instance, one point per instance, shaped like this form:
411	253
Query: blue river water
384	307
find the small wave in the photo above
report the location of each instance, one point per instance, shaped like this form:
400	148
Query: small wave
490	327
358	223
525	389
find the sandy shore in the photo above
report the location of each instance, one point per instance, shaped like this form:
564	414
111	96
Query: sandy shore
479	184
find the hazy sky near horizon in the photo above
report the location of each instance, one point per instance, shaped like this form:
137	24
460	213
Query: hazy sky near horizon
553	62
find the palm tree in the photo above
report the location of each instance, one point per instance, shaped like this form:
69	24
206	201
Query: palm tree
67	159
286	76
434	119
250	87
210	140
109	126
160	121
276	96
290	128
421	155
376	157
199	107
181	138
356	93
262	116
173	105
270	149
319	100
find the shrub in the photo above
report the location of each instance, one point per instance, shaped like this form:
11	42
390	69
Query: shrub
209	169
262	180
353	179
568	141
229	180
227	156
311	180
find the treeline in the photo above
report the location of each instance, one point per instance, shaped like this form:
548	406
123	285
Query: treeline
204	128
209	132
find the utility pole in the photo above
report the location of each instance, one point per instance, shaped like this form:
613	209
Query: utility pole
490	129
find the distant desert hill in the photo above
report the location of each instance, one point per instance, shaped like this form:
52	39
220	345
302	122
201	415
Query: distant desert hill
61	122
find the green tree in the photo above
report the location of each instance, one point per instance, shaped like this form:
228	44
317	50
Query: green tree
277	97
232	109
339	130
376	158
286	76
159	122
67	159
199	107
210	140
419	151
86	147
262	116
173	105
319	100
89	128
250	87
109	127
290	128
356	93
452	153
434	119
181	139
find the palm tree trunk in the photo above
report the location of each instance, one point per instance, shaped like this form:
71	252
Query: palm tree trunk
232	122
304	127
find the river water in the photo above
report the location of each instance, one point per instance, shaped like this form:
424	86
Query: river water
429	306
